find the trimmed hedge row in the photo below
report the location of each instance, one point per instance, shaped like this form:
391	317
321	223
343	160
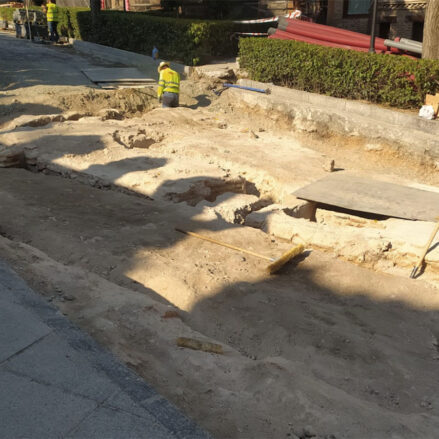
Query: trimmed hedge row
188	41
385	79
6	13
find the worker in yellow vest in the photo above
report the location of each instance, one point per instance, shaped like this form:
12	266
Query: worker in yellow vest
169	86
52	19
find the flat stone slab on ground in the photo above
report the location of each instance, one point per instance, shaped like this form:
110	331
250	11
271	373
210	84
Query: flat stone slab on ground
372	196
18	329
116	74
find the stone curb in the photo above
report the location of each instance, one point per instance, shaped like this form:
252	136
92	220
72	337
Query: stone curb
312	112
351	106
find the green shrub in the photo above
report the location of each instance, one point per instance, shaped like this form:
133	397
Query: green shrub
188	41
6	13
386	79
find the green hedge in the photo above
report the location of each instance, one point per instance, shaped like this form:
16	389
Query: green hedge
188	41
385	79
6	13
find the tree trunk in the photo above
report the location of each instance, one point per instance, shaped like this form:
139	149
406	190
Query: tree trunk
430	44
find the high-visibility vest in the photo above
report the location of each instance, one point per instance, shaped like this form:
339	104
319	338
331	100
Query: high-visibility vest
52	12
169	81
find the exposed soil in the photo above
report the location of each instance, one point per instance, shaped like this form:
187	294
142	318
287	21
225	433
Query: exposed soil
339	344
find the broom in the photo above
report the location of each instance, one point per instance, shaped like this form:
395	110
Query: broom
418	266
276	264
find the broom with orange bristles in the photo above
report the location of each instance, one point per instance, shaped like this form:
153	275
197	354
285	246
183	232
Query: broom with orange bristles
276	264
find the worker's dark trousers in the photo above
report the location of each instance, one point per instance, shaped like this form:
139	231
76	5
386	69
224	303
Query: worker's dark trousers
169	99
52	25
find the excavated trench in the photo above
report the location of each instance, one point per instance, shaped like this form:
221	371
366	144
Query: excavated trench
354	236
211	189
357	237
271	322
362	238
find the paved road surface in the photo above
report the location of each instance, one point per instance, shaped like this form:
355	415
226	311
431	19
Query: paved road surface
24	64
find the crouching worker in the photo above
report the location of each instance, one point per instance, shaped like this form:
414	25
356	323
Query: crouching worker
169	86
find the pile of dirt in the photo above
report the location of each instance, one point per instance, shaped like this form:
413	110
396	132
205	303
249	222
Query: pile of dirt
128	102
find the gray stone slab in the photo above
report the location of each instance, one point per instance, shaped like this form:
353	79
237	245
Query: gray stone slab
116	74
18	328
115	424
33	410
372	196
54	362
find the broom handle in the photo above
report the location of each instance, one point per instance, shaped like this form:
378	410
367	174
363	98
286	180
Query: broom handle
224	244
427	246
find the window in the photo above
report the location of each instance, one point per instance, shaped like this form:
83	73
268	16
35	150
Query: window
418	30
352	8
384	30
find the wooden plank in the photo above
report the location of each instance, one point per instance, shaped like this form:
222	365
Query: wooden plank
433	100
119	74
372	196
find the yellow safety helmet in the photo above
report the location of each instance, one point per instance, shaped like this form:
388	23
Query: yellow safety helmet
163	64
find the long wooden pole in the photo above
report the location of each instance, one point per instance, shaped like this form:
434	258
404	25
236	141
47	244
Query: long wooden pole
225	244
425	251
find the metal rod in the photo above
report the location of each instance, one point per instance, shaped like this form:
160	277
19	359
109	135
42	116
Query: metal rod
373	28
242	87
411	42
402	46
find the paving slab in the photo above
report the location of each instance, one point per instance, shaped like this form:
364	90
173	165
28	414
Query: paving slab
29	409
116	74
61	366
18	329
372	196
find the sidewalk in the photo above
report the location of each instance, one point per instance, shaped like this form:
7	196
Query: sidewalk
55	380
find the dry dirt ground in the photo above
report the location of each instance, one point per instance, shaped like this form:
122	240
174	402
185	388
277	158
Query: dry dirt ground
340	344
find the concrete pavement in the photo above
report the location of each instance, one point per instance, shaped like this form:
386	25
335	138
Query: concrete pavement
56	381
25	64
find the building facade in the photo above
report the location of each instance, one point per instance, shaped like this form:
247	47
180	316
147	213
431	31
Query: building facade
314	9
395	18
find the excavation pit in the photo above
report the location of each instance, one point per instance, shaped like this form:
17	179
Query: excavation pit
346	217
210	189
